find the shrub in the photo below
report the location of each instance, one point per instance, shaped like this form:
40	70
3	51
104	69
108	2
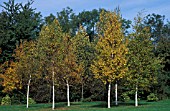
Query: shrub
87	99
0	98
152	97
31	101
6	100
15	100
125	97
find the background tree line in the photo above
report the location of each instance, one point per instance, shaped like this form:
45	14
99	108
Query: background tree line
82	55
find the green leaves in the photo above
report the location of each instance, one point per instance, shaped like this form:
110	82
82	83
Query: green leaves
17	22
83	50
49	48
142	63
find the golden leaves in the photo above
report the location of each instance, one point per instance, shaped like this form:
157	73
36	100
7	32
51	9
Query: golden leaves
111	49
10	78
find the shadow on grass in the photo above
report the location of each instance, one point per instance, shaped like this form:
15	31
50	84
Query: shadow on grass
46	105
131	103
76	103
104	104
100	105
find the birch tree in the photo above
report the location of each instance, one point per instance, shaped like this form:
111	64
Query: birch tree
49	43
70	69
28	64
110	62
84	51
20	72
142	64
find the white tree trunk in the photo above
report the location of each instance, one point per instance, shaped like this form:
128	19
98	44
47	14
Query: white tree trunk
109	95
53	104
68	95
136	96
28	90
116	103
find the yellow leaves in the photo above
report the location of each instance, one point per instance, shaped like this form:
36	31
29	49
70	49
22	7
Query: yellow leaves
10	78
16	73
111	50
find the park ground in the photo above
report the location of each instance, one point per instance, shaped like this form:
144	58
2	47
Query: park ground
163	105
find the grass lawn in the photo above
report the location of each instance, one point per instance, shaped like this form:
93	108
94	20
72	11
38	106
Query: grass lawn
93	106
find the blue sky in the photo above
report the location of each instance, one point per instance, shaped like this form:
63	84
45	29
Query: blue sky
129	8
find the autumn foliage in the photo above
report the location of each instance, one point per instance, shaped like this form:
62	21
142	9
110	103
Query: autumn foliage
78	64
110	63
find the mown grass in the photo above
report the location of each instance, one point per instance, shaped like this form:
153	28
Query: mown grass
93	106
